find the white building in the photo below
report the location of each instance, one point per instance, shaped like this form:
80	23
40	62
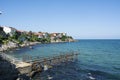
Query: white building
9	30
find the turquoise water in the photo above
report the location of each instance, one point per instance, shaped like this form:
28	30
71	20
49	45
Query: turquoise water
99	59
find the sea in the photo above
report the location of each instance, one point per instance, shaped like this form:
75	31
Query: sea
98	59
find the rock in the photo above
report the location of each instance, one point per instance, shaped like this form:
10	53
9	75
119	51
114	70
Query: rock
32	74
18	79
7	70
36	67
45	67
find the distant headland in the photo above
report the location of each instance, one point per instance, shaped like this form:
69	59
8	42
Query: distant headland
12	38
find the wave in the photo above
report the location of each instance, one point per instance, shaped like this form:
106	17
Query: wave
101	75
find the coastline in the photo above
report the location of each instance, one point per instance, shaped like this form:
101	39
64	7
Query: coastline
19	67
6	47
87	45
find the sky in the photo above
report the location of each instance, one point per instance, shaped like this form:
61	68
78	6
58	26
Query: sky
82	19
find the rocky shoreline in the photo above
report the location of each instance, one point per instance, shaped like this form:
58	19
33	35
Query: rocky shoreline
18	70
12	45
8	71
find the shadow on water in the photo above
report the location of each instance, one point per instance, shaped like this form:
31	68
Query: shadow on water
73	71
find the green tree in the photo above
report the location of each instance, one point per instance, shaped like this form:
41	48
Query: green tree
22	38
64	38
1	39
